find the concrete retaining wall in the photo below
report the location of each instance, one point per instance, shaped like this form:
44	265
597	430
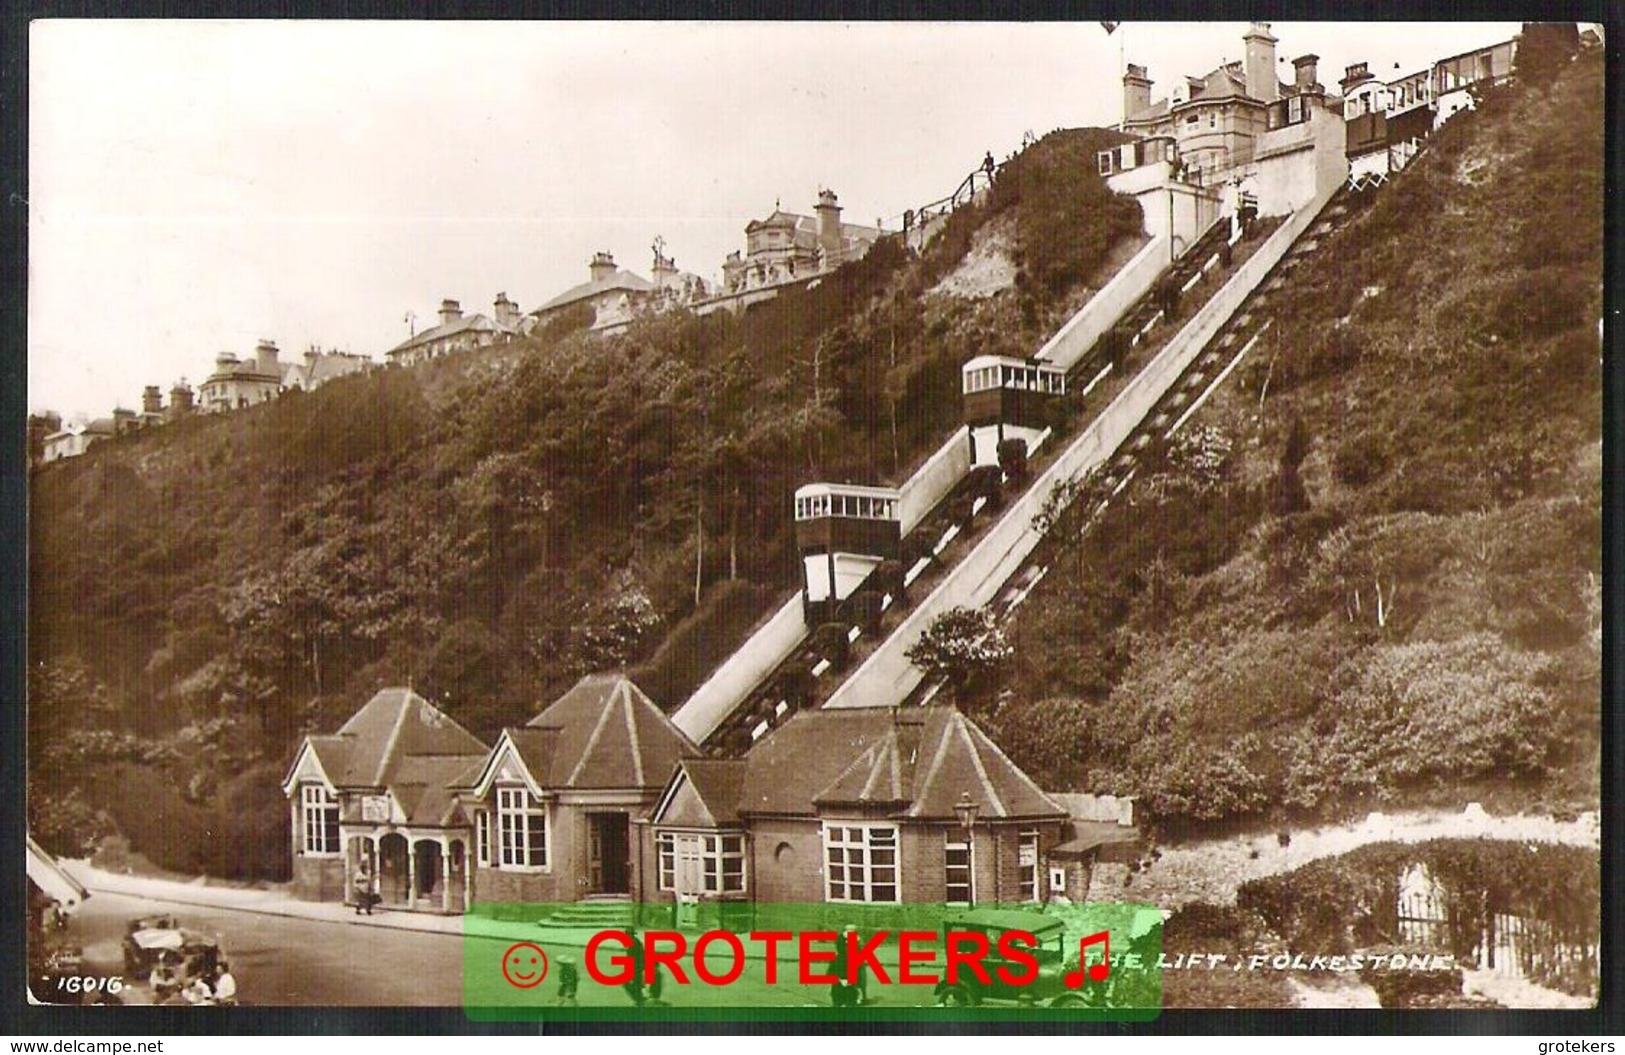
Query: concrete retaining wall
741	672
1073	341
932	481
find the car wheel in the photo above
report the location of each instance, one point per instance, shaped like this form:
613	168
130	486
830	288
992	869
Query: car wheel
958	996
1068	1000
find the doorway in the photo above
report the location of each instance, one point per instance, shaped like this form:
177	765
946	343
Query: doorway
609	853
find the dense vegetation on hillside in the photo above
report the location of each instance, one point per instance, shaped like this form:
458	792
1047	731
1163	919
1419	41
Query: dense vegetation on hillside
1370	567
489	526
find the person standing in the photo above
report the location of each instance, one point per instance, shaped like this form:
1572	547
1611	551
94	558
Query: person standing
363	888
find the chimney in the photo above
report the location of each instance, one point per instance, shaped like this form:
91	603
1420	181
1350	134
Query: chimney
265	359
123	420
602	267
450	311
1136	92
665	267
1354	76
1261	81
829	226
507	311
152	400
180	399
1305	69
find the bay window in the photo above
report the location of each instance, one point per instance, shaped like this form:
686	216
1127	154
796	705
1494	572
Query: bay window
860	863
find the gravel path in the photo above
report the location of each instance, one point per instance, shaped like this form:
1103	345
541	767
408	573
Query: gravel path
1211	870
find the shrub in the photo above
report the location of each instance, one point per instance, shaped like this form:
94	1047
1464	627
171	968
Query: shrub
1362	459
961	646
701	641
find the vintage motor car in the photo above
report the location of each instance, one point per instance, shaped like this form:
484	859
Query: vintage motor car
1049	988
161	961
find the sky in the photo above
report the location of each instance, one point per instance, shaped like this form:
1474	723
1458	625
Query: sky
196	186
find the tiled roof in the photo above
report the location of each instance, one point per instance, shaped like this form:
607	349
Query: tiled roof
781	218
914	763
323	368
462	324
1218	84
397	738
620	281
603	733
707	793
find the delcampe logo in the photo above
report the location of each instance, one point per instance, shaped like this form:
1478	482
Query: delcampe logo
739	960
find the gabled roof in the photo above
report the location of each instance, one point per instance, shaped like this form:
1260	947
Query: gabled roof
603	733
475	323
1219	84
398	740
703	793
621	280
781	218
913	763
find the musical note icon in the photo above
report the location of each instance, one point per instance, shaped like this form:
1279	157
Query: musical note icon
1096	972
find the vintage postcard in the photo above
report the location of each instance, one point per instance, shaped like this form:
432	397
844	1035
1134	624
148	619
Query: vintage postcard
905	522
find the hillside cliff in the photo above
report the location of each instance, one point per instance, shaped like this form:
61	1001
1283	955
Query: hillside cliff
1369	569
490	526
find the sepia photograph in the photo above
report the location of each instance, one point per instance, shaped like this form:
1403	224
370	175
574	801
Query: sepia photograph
918	522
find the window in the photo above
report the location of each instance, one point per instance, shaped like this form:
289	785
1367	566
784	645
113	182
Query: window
522	827
1027	861
723	862
719	861
958	886
666	860
321	817
860	863
482	837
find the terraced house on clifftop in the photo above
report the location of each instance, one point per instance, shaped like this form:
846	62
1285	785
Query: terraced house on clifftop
600	796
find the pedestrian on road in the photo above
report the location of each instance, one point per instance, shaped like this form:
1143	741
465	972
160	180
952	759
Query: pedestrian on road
569	979
634	985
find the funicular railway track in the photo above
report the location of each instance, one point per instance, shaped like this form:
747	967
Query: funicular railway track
1174	371
849	631
1218	358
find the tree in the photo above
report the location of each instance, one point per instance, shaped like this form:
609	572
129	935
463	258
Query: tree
962	646
1544	49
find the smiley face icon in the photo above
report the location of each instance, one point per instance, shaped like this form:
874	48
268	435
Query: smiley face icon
524	965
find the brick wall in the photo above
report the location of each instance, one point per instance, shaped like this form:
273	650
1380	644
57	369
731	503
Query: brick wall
787	861
318	878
